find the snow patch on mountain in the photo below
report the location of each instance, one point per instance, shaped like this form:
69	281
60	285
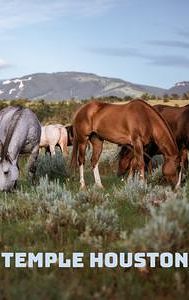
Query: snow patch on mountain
6	82
11	91
17	80
182	83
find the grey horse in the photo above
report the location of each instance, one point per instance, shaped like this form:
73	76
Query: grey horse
20	133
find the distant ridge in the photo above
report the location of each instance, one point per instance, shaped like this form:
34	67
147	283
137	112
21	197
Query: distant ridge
77	85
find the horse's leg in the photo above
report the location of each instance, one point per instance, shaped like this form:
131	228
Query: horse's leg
131	168
149	167
66	149
81	159
61	144
52	149
184	158
32	162
47	150
63	147
139	156
97	150
63	141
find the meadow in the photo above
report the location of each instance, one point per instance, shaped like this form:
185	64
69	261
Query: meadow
53	215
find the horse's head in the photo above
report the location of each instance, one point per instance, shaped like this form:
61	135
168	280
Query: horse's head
125	158
8	170
172	170
69	129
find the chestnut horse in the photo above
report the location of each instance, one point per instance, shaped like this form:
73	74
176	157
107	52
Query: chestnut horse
177	118
135	124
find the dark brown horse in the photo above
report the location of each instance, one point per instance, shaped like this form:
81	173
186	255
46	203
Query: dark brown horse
177	118
69	129
135	124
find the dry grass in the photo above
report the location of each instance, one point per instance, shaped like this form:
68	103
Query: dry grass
170	102
179	102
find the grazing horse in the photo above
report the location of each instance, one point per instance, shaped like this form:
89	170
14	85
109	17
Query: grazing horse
20	133
177	118
52	135
135	124
127	163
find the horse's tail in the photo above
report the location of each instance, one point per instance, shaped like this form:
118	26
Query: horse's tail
74	151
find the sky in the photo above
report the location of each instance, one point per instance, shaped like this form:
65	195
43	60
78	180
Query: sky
141	41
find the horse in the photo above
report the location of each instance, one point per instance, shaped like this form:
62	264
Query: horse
135	124
52	135
69	129
177	118
20	133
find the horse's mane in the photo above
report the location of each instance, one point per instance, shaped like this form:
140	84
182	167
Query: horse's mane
161	117
14	120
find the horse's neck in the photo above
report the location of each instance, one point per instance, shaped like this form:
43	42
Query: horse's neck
14	149
13	142
165	140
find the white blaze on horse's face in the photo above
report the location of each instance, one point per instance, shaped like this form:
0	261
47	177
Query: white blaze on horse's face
8	175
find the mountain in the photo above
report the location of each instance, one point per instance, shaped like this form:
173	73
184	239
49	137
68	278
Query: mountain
66	85
180	88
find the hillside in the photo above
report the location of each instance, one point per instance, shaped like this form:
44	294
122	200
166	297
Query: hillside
68	85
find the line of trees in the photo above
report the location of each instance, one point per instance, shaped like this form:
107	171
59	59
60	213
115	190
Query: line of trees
166	97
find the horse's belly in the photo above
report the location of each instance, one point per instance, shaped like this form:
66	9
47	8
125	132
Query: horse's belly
115	137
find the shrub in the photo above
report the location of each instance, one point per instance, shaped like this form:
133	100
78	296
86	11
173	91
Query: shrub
133	191
168	227
83	211
52	166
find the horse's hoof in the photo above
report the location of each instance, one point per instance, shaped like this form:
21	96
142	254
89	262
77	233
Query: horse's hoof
99	186
82	187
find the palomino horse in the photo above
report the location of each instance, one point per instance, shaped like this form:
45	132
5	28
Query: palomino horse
135	124
52	135
177	118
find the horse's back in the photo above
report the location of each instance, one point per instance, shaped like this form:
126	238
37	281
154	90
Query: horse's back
50	135
87	111
27	121
94	114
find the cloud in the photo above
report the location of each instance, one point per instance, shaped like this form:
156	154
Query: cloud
153	59
119	52
172	44
170	61
3	64
183	32
17	13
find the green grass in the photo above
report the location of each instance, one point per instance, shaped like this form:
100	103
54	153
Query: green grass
54	215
